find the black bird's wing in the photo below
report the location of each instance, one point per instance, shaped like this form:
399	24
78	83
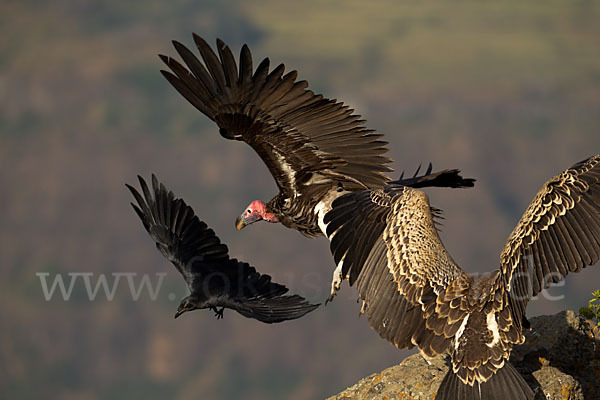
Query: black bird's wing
204	263
558	233
303	138
254	295
180	236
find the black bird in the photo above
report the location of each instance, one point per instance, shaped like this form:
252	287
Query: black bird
315	148
214	279
414	294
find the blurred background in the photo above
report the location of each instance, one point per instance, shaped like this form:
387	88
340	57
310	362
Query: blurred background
507	91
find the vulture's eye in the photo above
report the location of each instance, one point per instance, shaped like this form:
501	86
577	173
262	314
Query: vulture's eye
248	211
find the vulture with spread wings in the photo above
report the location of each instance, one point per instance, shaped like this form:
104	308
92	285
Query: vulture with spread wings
414	294
214	279
315	148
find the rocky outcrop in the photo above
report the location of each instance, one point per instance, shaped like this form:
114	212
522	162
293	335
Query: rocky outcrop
560	360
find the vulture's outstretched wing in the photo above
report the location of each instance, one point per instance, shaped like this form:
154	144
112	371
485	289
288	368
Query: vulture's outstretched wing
558	233
202	260
303	138
416	295
388	244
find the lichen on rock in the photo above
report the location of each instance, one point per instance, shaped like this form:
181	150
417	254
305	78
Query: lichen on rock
560	359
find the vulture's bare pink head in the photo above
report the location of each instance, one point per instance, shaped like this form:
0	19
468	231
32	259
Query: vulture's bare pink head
256	211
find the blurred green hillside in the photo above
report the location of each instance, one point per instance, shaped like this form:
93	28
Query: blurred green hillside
507	91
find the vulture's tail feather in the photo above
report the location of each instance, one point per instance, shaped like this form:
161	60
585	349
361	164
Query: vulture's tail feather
505	384
446	178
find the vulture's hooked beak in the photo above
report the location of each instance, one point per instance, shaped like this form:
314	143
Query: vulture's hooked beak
244	219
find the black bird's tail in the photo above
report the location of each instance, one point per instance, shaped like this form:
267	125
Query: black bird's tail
446	178
505	384
278	309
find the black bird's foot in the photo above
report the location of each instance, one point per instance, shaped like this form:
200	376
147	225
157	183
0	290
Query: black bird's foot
218	313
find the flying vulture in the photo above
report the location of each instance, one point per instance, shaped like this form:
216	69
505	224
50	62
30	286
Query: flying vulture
214	279
414	294
315	148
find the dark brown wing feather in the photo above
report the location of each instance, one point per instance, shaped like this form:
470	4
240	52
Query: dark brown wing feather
298	135
389	246
414	293
402	218
558	233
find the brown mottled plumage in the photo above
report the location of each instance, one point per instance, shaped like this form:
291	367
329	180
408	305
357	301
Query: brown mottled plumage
415	295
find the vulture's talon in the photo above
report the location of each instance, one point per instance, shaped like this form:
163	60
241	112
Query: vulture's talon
330	298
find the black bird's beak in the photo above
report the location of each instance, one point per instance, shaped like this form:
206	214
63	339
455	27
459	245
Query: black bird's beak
178	313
